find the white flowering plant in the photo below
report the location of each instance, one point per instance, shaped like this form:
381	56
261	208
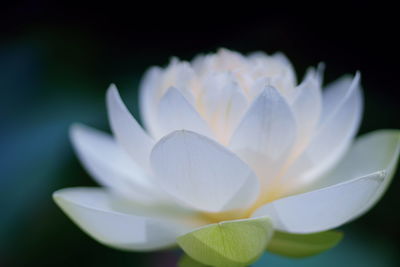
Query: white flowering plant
235	158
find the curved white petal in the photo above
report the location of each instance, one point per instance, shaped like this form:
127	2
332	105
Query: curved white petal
338	126
202	174
148	98
341	116
90	209
127	131
266	133
372	152
176	113
322	209
110	165
307	108
334	94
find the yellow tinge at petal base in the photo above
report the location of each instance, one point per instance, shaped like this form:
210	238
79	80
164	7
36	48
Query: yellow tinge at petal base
228	244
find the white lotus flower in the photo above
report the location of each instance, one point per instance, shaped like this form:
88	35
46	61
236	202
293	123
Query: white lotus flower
232	140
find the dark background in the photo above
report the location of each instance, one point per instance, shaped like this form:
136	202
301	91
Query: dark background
56	61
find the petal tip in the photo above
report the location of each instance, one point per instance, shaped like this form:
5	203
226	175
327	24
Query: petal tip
112	94
270	92
74	131
112	88
78	131
59	196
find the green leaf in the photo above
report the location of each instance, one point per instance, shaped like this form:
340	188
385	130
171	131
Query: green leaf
303	245
186	261
231	243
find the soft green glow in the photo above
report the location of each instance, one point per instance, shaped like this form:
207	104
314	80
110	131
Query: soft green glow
303	245
231	243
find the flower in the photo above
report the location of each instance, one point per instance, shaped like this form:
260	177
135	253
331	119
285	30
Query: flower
236	157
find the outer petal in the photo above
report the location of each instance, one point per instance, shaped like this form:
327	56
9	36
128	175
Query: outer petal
334	94
176	113
202	174
90	209
341	115
266	133
373	152
126	129
109	164
149	87
322	209
339	124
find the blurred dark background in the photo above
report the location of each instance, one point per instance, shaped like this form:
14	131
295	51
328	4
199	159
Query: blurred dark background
56	61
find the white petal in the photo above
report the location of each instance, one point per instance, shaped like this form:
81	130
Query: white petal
178	74
334	94
222	103
338	126
341	116
268	126
307	108
230	110
127	131
90	209
274	64
279	69
109	164
258	87
267	131
322	209
176	113
148	98
373	152
227	59
214	92
202	174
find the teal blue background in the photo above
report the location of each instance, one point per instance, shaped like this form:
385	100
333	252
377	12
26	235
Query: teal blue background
57	61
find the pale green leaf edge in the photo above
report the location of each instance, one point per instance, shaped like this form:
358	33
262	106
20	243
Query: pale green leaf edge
234	243
303	245
186	261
